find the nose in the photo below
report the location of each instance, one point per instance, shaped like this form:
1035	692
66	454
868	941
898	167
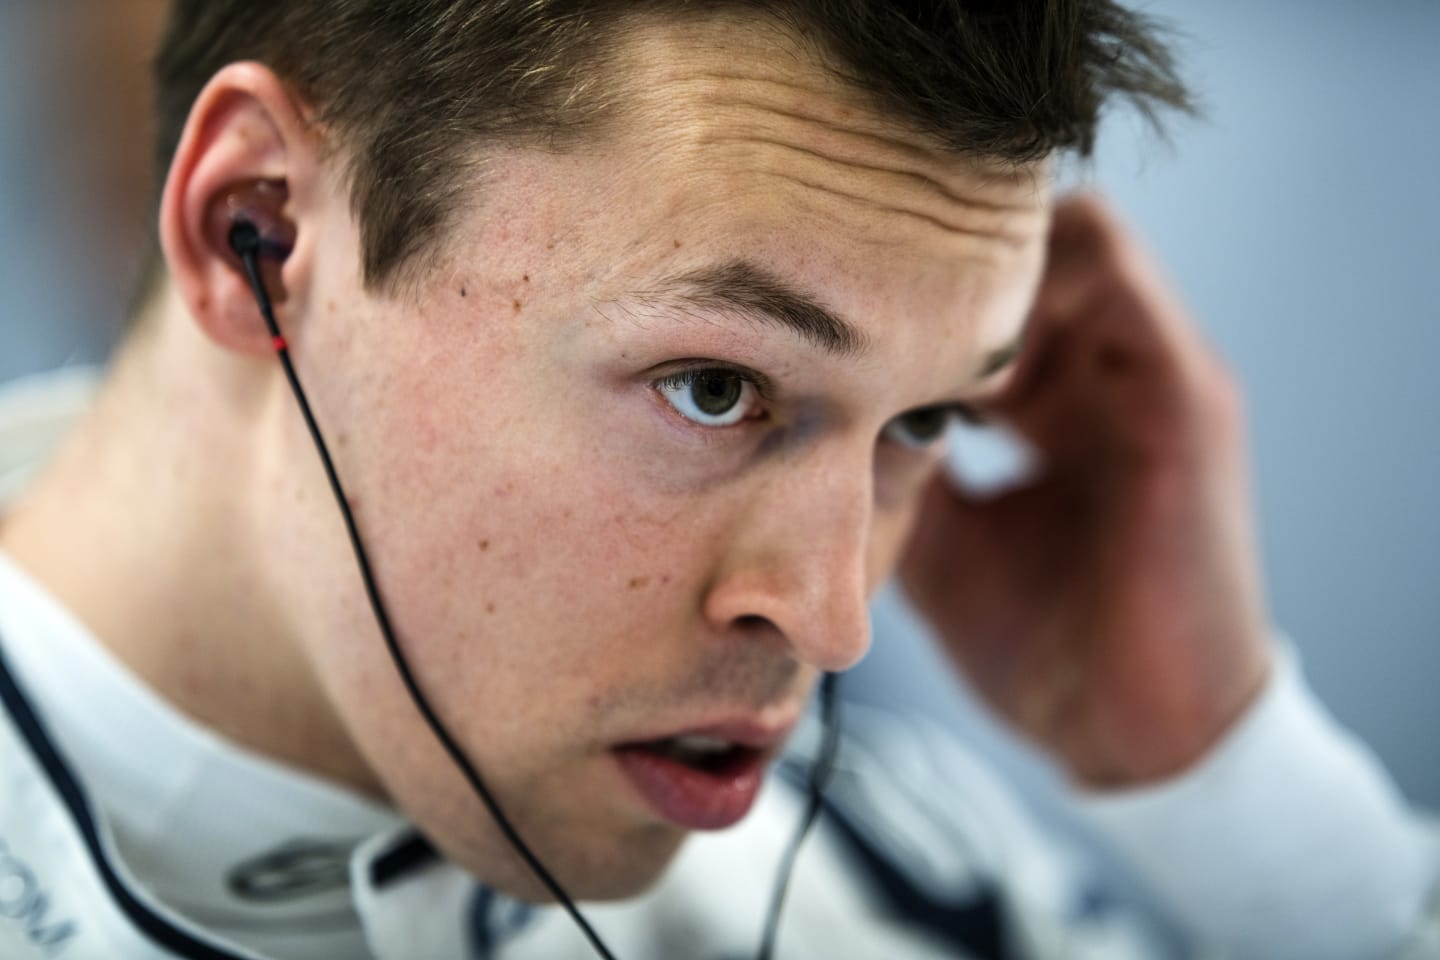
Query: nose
797	563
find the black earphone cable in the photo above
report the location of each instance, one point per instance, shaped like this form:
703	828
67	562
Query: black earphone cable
819	776
246	241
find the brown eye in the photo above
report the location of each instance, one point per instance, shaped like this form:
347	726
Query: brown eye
714	398
919	428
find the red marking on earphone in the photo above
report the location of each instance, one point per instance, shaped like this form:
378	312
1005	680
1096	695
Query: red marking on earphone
278	343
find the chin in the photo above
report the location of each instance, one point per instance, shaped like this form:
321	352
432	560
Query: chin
618	870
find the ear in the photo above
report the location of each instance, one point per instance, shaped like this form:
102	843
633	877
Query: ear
247	150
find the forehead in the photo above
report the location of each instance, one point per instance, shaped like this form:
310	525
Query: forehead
744	91
734	142
743	95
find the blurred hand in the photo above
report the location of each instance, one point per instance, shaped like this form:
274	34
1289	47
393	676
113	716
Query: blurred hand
1112	608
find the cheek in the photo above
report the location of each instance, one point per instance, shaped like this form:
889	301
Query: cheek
525	528
538	556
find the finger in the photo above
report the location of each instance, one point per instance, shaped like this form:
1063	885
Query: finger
1111	361
1100	279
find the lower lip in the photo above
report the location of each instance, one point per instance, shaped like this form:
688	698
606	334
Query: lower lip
690	798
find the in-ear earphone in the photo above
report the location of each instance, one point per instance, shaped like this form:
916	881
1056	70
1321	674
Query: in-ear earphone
249	242
246	239
260	206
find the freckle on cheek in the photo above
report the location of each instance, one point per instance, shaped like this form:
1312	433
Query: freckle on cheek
518	305
462	291
489	608
637	583
484	545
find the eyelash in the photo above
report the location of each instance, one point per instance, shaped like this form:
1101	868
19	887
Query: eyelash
685	378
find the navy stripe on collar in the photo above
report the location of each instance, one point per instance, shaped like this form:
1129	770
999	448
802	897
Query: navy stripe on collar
158	929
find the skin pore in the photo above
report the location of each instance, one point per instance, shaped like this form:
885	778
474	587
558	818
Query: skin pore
571	560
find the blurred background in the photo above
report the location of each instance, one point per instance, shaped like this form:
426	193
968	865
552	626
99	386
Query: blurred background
1299	216
75	174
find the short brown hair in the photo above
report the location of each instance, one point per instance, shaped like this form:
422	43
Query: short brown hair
408	86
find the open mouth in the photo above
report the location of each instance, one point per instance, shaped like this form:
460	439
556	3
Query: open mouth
694	781
706	754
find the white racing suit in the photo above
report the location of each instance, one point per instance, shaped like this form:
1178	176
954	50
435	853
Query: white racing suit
127	831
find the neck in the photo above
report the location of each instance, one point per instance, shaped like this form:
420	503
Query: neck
146	527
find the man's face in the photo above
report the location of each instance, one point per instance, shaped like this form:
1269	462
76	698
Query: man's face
620	474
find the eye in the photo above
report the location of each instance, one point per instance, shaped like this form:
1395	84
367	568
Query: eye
920	429
713	397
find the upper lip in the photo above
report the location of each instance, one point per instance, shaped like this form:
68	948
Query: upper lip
746	731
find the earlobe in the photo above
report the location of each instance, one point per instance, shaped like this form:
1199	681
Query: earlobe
246	153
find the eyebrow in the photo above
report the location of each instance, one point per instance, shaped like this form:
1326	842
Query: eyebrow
744	287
